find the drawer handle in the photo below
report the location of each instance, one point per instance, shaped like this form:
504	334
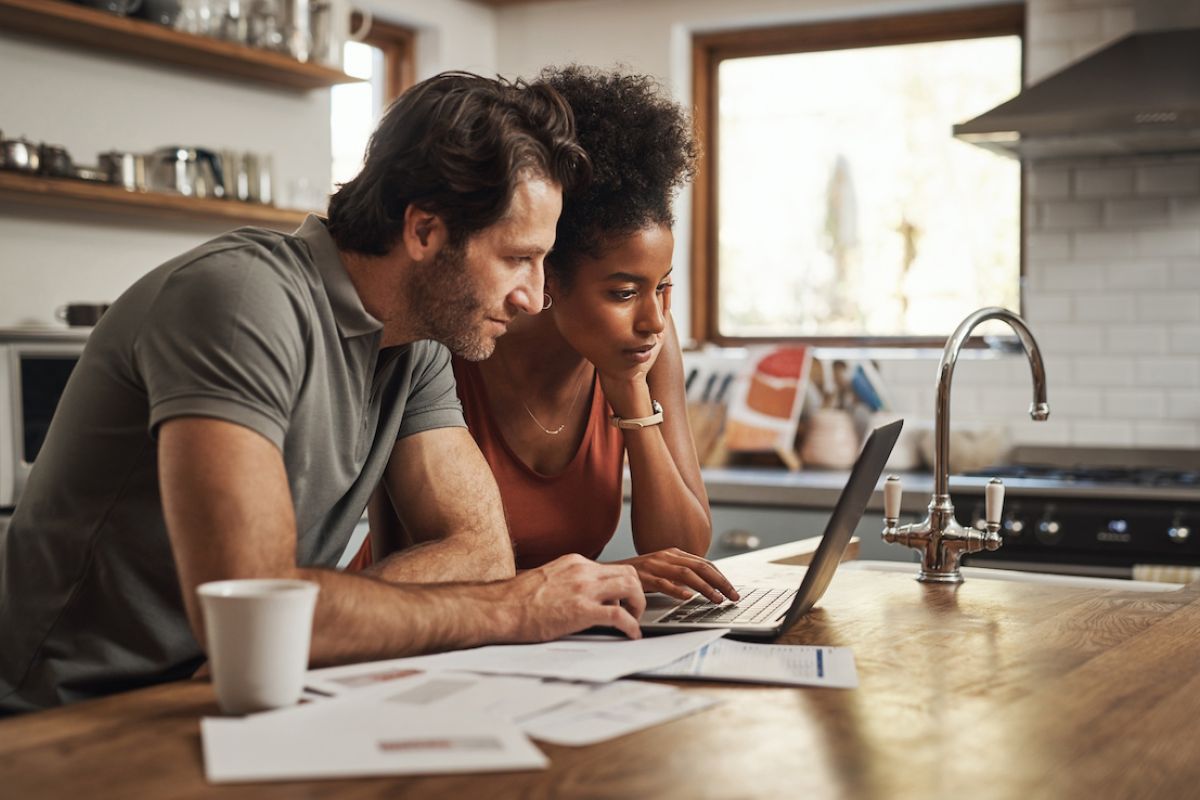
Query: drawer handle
740	540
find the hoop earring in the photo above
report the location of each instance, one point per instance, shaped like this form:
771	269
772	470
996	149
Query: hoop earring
547	301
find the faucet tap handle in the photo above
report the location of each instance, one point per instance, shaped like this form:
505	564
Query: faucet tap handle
891	499
993	496
993	502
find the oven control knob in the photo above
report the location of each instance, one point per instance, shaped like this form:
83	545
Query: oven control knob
1049	531
1013	526
1179	534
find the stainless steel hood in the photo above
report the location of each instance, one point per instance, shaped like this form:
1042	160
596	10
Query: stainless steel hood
1139	95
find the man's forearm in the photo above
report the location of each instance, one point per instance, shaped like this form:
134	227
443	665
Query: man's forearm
361	619
454	558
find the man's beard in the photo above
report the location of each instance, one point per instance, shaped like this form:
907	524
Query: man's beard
450	312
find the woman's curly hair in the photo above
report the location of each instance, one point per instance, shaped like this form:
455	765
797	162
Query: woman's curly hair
642	150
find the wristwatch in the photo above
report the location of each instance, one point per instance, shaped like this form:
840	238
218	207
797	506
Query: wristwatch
641	422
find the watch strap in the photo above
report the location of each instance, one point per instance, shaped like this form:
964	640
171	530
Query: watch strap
639	422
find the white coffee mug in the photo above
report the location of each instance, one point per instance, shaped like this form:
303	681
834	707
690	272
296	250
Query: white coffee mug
258	633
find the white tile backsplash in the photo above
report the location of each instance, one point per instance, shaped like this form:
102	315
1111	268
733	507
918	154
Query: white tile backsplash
1136	339
1059	214
1168	372
1138	275
1105	308
1169	306
1134	404
1049	245
1185	339
1168	179
1102	433
1137	211
1169	241
1185	274
1183	404
1106	182
1153	433
1102	245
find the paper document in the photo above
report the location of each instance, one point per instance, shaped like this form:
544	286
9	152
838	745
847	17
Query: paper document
613	710
349	736
598	659
792	665
502	696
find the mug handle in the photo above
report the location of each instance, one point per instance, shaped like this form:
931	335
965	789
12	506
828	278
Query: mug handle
364	28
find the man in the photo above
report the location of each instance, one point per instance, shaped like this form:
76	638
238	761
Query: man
235	407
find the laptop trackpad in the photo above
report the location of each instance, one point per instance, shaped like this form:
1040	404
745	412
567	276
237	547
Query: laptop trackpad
658	605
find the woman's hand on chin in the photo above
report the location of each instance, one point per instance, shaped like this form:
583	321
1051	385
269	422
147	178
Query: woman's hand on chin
623	380
680	574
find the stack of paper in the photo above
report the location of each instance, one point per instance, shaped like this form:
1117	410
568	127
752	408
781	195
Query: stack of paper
473	710
435	714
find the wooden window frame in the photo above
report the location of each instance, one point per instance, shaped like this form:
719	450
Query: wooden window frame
711	48
397	43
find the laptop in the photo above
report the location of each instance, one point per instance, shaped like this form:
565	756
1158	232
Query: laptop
767	610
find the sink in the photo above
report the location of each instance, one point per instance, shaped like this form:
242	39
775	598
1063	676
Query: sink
983	573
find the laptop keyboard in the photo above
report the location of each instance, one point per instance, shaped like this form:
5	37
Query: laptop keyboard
755	605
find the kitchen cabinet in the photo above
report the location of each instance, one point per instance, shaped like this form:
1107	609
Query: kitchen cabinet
740	528
98	30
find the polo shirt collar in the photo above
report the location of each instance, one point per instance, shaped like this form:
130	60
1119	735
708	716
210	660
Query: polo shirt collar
352	319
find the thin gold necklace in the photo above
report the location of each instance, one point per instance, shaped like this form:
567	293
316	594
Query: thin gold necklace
536	421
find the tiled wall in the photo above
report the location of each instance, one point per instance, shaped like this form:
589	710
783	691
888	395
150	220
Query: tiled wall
1112	288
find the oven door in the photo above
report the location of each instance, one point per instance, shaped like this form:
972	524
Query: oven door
1093	535
33	376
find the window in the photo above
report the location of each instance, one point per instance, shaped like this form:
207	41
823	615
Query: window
835	204
383	59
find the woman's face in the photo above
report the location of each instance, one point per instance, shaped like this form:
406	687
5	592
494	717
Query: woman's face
615	311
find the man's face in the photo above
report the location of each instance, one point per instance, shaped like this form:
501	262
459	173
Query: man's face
466	296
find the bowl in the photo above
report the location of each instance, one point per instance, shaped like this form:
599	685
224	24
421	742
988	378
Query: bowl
972	447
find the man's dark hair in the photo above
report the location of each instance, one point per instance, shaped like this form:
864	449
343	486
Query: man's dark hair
455	145
642	149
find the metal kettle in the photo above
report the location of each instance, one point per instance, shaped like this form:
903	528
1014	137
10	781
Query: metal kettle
190	171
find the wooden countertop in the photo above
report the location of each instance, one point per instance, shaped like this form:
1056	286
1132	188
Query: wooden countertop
989	689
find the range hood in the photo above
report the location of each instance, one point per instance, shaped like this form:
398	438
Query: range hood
1140	95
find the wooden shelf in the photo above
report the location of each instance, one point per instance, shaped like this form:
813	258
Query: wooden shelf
66	193
99	30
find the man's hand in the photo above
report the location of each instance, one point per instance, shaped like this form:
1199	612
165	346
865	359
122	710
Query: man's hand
571	594
678	573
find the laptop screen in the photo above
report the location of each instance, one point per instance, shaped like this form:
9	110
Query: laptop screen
864	477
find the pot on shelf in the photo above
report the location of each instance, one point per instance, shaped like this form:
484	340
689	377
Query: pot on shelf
124	169
190	171
20	155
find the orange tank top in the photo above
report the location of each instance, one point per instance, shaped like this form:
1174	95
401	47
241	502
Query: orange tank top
576	511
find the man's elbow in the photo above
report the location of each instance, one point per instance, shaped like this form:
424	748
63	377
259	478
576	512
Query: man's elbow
499	564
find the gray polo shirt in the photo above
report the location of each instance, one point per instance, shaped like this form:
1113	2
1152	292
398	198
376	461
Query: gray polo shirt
258	328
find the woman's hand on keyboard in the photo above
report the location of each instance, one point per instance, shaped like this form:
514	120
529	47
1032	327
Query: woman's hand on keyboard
680	574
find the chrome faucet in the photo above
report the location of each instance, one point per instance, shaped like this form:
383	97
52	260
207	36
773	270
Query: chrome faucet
941	540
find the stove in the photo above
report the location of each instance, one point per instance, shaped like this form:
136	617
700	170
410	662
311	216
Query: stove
1106	512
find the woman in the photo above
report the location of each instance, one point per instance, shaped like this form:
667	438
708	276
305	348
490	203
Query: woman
598	374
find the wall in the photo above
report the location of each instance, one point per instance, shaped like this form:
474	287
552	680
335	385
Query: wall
1113	246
